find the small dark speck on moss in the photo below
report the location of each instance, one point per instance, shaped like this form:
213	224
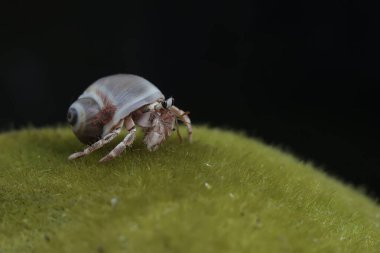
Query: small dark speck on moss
100	249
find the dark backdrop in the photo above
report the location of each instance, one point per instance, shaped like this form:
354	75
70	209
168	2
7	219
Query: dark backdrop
302	75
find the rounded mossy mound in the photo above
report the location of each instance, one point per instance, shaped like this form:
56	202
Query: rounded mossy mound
223	193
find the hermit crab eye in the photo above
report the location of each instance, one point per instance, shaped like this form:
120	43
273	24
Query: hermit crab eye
72	116
168	103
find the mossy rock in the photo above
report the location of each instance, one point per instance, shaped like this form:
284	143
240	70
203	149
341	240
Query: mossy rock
223	193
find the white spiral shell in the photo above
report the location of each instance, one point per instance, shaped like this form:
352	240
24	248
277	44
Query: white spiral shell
125	92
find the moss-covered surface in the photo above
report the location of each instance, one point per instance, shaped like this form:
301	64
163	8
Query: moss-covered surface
223	193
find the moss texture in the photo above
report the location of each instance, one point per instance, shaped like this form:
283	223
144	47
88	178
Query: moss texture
223	193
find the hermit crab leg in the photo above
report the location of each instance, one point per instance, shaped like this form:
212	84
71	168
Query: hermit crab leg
100	143
128	140
181	115
177	128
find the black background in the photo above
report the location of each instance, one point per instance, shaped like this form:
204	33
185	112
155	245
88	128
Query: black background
302	75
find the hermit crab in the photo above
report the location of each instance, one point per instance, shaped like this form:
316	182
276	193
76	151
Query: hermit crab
120	100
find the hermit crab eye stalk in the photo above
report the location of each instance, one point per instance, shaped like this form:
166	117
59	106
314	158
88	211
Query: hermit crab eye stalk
168	103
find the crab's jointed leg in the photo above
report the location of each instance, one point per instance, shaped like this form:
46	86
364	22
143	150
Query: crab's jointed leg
128	140
155	134
181	115
100	143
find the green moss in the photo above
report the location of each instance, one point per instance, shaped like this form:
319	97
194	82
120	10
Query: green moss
223	193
